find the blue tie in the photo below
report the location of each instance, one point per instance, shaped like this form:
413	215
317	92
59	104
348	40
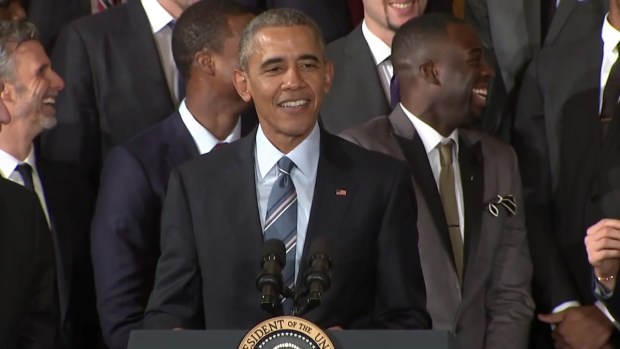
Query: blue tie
394	92
25	171
281	220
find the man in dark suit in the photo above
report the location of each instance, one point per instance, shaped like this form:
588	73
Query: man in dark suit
363	70
221	207
473	294
512	31
332	16
120	78
126	225
30	89
569	161
51	16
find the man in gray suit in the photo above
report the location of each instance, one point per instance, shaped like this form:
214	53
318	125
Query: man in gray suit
472	243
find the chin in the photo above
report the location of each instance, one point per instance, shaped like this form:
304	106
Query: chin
48	122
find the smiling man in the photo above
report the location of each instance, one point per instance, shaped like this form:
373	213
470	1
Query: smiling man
29	94
363	69
475	257
222	206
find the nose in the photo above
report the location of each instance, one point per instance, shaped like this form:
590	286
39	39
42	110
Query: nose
57	82
293	78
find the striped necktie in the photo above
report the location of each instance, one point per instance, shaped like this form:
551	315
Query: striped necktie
105	4
281	220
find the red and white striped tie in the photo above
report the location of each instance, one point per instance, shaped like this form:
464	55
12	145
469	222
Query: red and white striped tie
104	4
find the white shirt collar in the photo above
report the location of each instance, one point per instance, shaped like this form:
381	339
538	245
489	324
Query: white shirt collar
429	136
611	38
8	162
379	49
205	140
305	155
157	15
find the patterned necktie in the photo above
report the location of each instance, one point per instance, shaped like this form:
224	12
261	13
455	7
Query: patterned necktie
104	4
447	191
25	171
281	220
394	91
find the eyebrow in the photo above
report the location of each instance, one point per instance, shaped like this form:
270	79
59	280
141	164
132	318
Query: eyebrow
276	60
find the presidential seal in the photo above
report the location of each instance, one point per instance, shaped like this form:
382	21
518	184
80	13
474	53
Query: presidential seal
286	332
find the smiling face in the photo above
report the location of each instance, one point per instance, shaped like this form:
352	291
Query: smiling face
287	77
31	95
383	16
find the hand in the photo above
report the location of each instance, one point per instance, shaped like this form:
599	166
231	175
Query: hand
603	246
14	12
580	328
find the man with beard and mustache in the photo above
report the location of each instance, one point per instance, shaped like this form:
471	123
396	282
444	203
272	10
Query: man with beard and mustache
121	79
30	90
473	249
362	65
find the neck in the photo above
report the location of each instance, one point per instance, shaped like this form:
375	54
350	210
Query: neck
12	143
215	114
171	7
386	35
435	121
614	16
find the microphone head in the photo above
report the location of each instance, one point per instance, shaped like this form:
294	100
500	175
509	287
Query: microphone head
273	249
323	247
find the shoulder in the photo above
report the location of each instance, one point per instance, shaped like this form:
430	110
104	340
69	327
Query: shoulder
100	23
375	130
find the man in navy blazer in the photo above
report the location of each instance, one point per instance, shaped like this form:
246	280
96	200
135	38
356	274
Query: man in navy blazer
126	225
216	207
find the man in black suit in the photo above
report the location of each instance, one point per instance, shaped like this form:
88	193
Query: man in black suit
569	160
51	16
30	89
126	226
363	70
304	183
120	78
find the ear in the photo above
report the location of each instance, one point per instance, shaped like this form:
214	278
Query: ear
240	80
429	72
8	92
204	60
329	75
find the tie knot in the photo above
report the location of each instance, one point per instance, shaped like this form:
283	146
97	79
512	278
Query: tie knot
24	169
285	165
445	153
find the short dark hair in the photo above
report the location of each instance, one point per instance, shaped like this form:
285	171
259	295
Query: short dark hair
281	17
413	37
12	34
202	26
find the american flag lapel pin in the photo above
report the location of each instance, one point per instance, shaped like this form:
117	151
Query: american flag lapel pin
341	192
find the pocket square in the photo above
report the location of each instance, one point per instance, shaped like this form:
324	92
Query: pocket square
506	201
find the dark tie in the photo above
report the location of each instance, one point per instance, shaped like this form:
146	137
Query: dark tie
281	220
611	93
26	172
447	191
394	91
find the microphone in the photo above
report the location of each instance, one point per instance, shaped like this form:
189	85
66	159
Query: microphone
318	277
269	281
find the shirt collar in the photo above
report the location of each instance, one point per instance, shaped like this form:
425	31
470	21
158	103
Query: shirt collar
205	140
157	15
379	49
305	155
8	162
429	136
611	38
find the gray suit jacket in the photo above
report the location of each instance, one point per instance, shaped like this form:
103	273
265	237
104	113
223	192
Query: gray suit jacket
494	307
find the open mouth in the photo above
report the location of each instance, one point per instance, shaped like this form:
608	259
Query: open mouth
294	105
481	92
401	5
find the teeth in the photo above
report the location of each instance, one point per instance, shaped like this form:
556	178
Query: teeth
293	104
481	92
401	5
49	100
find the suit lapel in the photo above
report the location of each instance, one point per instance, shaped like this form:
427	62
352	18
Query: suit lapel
333	193
415	156
559	19
181	146
472	181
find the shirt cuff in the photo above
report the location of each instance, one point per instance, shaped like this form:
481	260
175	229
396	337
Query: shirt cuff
601	306
566	305
601	291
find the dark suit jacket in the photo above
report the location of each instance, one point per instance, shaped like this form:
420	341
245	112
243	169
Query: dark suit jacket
28	306
493	308
126	226
211	242
571	176
332	16
51	16
357	94
115	86
69	200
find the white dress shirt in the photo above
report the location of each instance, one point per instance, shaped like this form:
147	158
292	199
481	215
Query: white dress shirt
431	140
159	19
381	53
8	165
205	141
611	38
306	159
